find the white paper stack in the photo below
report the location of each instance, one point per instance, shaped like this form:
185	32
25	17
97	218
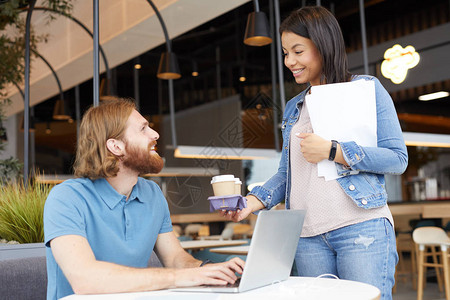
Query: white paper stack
343	112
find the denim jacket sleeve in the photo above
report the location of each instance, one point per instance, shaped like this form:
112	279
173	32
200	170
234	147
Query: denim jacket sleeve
274	190
390	156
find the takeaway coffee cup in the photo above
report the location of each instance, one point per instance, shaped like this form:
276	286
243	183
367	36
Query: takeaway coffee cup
223	185
237	186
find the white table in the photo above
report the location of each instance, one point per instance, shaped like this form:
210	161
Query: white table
293	288
202	244
238	250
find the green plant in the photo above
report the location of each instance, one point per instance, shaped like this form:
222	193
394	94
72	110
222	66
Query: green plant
10	168
12	52
12	39
21	212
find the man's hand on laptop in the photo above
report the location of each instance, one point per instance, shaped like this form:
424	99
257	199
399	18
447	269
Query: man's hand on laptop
210	274
253	204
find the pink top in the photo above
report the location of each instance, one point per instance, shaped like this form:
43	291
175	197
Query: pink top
327	206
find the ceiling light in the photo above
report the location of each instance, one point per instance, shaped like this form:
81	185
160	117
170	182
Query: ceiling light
48	130
168	66
397	61
31	127
426	139
434	96
194	69
206	152
242	77
59	111
257	29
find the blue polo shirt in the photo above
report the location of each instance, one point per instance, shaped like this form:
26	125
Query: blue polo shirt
118	231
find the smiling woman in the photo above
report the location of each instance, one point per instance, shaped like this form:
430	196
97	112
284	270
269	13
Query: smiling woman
302	57
331	243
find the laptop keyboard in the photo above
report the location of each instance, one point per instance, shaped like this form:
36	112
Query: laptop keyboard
234	285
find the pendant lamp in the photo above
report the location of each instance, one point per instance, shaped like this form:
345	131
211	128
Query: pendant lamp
257	30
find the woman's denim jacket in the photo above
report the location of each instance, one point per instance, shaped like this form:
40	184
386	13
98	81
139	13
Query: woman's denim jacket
367	186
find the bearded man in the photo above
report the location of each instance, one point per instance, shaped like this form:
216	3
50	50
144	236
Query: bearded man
101	228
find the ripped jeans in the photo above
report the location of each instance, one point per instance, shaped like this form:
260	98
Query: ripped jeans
364	252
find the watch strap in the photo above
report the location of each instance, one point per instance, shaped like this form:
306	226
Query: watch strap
205	262
333	150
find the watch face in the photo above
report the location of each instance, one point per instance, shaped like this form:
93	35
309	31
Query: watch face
333	150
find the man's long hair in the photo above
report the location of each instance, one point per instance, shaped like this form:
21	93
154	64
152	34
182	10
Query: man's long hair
106	121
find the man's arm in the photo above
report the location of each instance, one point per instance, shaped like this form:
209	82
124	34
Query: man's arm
171	254
87	275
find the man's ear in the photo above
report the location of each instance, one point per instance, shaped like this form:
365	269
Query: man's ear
116	147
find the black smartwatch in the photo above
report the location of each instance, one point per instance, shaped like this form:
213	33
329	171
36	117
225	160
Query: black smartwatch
333	150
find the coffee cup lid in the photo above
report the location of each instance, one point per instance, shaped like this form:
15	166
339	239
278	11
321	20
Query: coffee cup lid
237	181
221	178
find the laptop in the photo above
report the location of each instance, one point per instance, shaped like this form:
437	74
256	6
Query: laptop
271	253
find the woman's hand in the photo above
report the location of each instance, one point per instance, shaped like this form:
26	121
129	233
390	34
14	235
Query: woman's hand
313	147
253	204
236	216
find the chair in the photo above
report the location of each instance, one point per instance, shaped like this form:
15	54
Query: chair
227	233
23	278
203	231
405	244
243	230
240	230
432	237
177	230
192	230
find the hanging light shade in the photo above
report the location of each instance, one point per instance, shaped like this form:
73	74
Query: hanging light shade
31	128
59	111
194	69
48	130
168	66
257	30
242	77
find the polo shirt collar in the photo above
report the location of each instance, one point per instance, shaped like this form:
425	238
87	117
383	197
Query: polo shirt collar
110	196
135	195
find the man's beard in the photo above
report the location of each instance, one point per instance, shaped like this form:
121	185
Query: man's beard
142	161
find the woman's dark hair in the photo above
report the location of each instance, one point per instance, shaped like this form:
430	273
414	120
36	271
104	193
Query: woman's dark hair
321	27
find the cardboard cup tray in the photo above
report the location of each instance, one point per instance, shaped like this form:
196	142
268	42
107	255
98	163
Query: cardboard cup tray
231	202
